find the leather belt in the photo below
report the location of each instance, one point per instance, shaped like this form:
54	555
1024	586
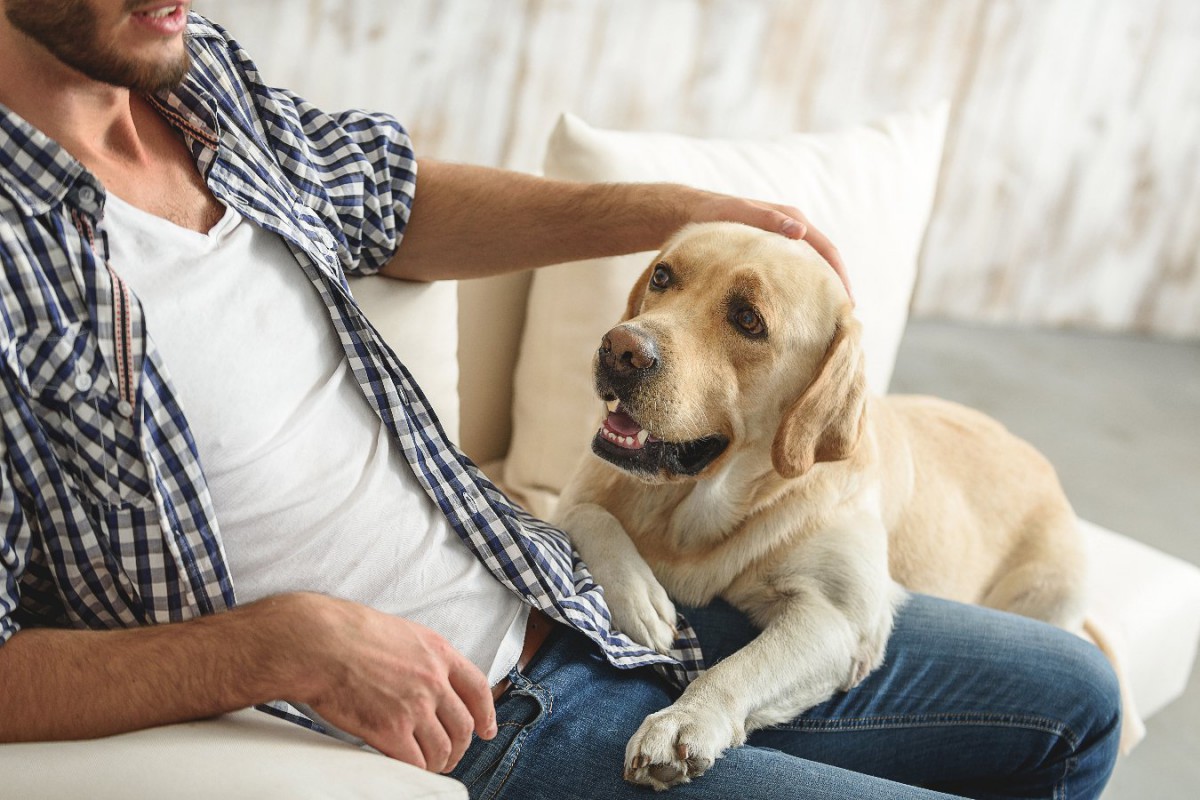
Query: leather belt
537	628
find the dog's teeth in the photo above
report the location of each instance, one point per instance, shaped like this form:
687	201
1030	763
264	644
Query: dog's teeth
612	406
642	435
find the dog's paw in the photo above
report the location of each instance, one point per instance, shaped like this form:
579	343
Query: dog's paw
641	609
673	746
869	656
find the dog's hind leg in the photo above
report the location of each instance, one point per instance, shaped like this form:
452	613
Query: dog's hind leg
1044	591
1045	577
1046	581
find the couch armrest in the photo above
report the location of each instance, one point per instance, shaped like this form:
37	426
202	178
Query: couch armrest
247	754
1149	604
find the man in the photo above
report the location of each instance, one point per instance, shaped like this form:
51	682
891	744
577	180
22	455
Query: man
192	404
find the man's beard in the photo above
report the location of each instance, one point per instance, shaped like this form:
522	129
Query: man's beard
68	29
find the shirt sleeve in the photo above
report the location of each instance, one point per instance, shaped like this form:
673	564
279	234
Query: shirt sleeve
368	172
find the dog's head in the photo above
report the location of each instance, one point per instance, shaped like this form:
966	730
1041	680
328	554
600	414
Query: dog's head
733	338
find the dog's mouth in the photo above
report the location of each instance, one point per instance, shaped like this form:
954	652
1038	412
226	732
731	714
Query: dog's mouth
624	443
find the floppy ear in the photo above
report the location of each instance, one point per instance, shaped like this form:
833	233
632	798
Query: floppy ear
825	422
634	304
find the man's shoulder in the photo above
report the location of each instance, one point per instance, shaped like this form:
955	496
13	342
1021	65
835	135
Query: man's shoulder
212	48
200	27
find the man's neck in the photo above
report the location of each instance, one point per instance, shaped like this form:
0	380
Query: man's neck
93	121
112	131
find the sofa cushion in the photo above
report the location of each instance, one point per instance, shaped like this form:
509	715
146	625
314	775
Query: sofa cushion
247	754
869	188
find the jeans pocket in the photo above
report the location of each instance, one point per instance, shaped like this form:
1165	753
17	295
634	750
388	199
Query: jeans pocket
486	765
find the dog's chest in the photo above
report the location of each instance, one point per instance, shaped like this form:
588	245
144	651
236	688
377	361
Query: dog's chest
701	545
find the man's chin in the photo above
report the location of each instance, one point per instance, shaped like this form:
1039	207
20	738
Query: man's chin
146	76
71	32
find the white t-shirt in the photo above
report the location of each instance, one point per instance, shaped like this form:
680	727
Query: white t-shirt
310	491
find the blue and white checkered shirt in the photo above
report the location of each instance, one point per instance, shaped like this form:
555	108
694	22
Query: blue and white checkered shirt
107	520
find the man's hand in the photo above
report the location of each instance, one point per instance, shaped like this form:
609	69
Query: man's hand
399	686
786	220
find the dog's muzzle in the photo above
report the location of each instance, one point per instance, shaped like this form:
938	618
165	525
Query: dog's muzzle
627	361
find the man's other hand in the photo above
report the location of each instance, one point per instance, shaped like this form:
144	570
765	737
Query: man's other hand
786	220
398	685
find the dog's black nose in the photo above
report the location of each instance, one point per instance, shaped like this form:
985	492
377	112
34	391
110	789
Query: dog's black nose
626	352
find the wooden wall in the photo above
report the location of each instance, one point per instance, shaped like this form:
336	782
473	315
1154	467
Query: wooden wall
1070	192
1070	186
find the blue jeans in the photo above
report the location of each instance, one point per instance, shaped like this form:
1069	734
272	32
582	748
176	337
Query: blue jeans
969	702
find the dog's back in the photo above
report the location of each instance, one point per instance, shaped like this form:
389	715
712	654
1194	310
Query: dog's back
975	513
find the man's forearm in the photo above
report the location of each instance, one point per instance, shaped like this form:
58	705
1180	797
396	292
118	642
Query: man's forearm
400	686
472	221
69	684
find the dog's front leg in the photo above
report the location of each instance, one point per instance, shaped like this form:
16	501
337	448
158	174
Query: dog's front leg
827	610
639	605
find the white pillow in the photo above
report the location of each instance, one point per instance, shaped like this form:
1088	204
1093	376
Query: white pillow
869	188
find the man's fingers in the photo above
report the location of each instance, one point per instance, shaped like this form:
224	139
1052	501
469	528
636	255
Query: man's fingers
820	242
457	723
792	228
403	748
435	743
472	688
793	224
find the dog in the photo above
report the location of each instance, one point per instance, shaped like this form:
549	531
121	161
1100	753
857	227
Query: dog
743	457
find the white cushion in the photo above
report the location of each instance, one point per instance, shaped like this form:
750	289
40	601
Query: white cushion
420	322
246	755
1148	603
869	188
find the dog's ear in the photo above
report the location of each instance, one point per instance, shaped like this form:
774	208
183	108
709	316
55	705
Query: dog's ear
634	304
825	422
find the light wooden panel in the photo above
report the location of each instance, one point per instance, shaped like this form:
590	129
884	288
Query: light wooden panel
1070	189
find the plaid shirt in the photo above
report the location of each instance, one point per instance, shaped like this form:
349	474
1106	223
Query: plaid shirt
107	520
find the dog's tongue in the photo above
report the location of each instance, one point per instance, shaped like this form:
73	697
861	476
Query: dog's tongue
620	422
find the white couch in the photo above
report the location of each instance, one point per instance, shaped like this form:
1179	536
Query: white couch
870	188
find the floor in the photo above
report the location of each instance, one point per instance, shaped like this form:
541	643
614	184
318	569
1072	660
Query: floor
1119	417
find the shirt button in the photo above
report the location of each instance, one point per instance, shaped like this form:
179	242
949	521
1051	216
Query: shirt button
83	382
87	198
125	408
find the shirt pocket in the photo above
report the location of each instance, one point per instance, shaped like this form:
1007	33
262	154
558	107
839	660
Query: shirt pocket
89	428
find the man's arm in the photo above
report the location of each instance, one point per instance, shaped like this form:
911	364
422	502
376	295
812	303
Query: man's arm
470	221
397	685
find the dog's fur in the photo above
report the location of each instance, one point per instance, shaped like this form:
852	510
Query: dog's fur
771	477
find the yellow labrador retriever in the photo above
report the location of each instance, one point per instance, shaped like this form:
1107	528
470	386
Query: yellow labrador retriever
743	457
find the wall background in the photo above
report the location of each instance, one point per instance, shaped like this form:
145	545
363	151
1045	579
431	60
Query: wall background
1070	188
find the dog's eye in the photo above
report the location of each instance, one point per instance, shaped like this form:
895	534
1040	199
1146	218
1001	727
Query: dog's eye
661	277
748	321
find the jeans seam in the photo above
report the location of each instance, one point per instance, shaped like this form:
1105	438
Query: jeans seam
513	754
1060	789
1042	724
